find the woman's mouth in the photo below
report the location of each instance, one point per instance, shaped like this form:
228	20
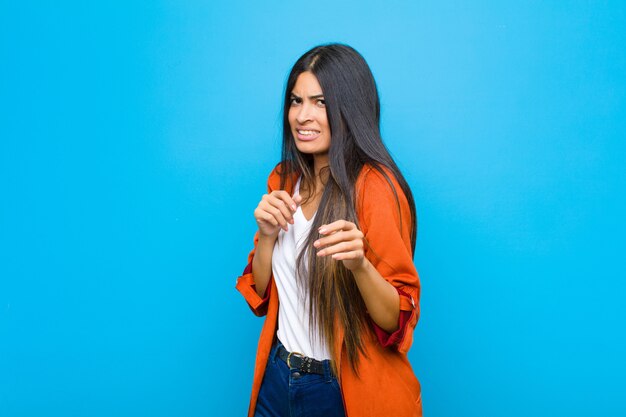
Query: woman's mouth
303	134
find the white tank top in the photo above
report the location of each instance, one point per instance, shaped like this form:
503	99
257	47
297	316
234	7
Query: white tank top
293	317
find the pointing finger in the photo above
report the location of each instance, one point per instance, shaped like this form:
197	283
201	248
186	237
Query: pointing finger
286	198
335	226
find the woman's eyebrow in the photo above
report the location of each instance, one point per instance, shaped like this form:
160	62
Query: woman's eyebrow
310	97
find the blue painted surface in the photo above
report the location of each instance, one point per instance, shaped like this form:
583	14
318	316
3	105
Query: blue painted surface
135	141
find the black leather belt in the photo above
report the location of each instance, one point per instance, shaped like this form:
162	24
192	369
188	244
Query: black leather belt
303	363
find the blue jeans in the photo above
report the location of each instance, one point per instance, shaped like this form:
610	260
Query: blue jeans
291	393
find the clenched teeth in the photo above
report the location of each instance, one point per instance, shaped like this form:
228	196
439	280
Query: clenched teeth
308	132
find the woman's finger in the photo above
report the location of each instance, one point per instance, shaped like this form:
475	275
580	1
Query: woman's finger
341	247
287	199
340	236
277	214
335	226
263	216
278	201
356	254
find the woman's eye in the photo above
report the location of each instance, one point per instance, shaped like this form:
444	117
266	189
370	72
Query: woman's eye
294	100
322	101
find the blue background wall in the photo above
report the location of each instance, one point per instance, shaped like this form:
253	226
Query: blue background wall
135	141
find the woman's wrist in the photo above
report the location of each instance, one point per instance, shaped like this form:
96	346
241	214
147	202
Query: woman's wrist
265	240
363	270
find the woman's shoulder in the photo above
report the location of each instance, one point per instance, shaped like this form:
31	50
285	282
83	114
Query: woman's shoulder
282	168
377	178
381	200
377	189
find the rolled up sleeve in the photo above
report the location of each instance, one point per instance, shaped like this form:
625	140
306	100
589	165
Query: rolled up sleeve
247	287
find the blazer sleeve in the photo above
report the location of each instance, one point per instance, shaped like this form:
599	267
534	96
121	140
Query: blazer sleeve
385	222
245	283
247	287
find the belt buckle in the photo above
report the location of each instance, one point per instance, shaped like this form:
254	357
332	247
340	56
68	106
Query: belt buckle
289	357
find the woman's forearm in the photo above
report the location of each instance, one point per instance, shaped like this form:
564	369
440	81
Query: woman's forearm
262	263
381	298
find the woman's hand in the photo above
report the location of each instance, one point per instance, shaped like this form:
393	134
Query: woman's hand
343	241
274	211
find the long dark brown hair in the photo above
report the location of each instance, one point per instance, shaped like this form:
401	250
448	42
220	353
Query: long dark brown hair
353	111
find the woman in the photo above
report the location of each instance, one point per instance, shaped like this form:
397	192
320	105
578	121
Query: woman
332	267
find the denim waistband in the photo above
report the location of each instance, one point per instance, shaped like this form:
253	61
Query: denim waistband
326	362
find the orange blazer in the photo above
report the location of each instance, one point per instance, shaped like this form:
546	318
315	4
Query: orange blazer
386	385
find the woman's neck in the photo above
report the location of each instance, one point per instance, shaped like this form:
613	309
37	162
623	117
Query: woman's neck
320	172
319	162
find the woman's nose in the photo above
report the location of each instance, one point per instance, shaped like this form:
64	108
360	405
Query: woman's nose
304	113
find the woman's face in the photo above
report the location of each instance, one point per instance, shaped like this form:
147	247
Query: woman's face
307	116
